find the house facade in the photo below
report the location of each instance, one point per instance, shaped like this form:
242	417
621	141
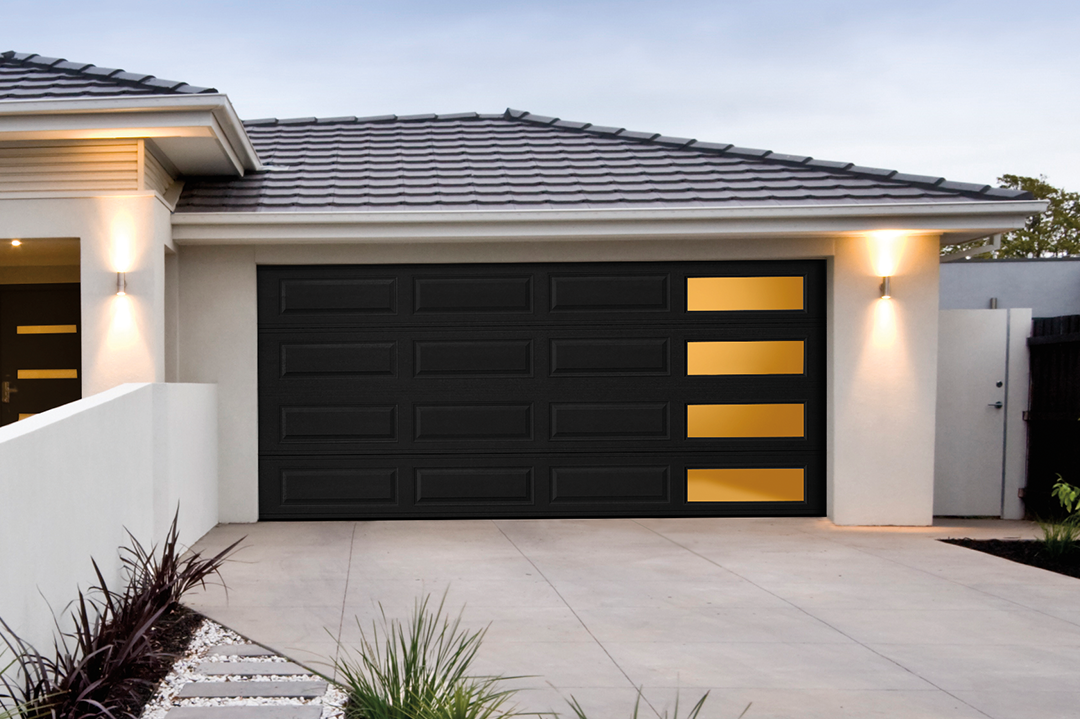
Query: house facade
478	315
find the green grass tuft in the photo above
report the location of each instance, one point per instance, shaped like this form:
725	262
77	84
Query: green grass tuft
1060	538
420	670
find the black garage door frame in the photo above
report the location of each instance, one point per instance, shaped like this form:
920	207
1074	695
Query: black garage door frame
519	390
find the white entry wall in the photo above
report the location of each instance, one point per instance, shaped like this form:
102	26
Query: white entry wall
980	452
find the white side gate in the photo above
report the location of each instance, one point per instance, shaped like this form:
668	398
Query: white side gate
981	446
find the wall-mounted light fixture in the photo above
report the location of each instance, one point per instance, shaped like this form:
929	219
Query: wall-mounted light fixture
16	243
886	289
121	284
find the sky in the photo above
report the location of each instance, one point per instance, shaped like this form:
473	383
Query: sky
969	90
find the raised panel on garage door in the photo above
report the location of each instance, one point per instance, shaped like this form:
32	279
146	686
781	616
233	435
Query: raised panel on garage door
594	389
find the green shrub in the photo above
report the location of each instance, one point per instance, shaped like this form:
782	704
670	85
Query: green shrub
1059	538
420	670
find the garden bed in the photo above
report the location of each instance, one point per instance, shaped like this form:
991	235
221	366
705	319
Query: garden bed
1025	551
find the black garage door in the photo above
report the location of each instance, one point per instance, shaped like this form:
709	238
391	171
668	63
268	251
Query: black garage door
553	390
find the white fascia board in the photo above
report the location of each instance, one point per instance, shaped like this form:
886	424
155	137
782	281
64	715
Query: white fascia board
209	115
951	220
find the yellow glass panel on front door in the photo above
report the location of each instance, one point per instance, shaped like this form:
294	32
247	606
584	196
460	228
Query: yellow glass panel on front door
46	329
744	420
732	294
48	374
745	485
766	357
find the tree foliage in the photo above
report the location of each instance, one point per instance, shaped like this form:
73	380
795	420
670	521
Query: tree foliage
1054	233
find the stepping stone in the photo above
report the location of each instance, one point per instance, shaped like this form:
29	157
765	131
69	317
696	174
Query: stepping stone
302	690
241	650
251	669
273	711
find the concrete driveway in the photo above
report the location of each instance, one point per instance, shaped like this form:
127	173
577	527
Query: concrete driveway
797	616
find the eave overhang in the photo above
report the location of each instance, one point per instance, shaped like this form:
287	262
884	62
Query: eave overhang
954	222
200	134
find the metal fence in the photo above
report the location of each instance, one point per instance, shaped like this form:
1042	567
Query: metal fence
1054	417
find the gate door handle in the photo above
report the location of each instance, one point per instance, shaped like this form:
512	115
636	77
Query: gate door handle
997	405
5	392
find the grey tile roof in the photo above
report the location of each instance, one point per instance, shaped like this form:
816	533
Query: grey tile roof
26	76
516	160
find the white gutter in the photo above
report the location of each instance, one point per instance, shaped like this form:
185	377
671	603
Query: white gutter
217	104
954	221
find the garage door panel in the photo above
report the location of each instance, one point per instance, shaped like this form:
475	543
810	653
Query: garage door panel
618	293
584	426
365	423
609	357
451	422
337	360
464	293
610	293
314	486
473	357
608	485
311	297
468	485
307	362
610	420
625	484
690	420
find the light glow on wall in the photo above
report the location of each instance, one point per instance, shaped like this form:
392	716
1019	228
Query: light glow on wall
122	330
886	250
123	242
884	332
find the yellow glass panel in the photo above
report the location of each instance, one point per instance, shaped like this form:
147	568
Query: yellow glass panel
46	329
26	416
744	420
744	485
767	357
729	294
48	374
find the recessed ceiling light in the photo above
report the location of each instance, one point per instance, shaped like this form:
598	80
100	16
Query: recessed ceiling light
16	243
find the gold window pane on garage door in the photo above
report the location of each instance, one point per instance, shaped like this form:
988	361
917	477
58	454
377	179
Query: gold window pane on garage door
747	484
733	294
723	358
744	420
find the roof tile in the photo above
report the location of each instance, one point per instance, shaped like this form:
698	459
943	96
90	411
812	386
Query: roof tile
43	61
29	76
632	135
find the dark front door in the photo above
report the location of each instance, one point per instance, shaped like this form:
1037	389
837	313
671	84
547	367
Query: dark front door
554	390
40	353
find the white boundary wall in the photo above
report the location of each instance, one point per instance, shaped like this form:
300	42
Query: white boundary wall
73	478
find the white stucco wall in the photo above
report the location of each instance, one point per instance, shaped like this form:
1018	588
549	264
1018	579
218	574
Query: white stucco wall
883	384
218	344
1050	287
73	478
882	353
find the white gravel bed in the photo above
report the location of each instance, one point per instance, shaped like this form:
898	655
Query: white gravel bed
211	634
205	679
241	658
